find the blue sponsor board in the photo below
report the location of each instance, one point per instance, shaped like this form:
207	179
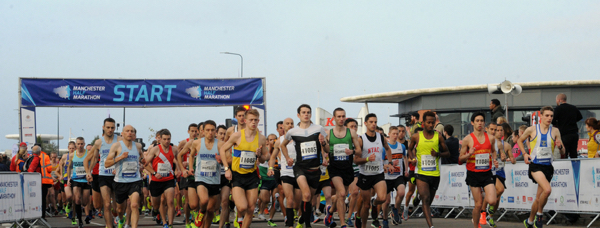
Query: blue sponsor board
120	93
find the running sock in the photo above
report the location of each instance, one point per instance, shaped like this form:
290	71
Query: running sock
539	214
491	210
78	211
374	212
529	222
306	212
289	212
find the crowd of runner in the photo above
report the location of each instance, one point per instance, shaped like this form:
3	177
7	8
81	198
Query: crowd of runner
217	170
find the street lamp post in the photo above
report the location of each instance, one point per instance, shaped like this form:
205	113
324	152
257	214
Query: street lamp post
242	58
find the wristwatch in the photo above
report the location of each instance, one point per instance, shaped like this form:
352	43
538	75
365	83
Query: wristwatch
154	174
226	168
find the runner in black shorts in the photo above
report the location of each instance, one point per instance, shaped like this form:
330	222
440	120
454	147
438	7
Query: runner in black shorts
310	145
342	141
395	180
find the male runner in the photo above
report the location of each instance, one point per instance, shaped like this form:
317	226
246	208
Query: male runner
427	173
504	154
310	145
249	145
370	162
396	179
182	161
98	154
476	150
267	186
221	131
95	193
63	165
125	156
240	115
77	180
289	184
543	137
159	163
206	175
342	141
354	198
410	178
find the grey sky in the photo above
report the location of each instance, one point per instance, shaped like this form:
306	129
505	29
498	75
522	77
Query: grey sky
340	48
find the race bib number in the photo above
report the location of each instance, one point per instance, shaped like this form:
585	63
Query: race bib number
544	154
339	152
372	167
79	172
109	171
482	161
164	169
208	168
130	169
428	163
308	150
247	159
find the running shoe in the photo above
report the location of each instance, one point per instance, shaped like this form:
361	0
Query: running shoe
376	224
490	221
405	214
358	222
300	225
328	216
80	224
315	218
166	226
349	222
178	213
198	220
482	220
87	219
261	216
121	223
158	221
478	225
73	222
527	224
216	219
227	225
385	224
537	222
187	225
271	223
396	220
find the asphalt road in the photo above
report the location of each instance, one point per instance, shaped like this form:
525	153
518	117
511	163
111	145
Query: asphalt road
462	222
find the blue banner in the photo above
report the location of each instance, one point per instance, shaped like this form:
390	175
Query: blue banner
126	93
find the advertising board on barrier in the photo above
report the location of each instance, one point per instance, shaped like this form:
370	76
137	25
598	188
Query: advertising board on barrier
11	197
145	92
589	185
452	190
32	192
564	185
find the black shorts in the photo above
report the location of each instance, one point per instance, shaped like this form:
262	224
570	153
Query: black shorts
312	176
411	177
183	183
106	181
480	179
502	180
95	183
145	182
393	184
245	181
368	182
347	175
224	182
82	185
322	185
158	187
213	189
433	182
124	190
61	187
548	171
268	185
290	180
277	176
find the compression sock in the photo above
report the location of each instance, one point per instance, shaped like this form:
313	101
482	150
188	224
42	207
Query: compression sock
374	212
491	210
78	211
289	212
306	212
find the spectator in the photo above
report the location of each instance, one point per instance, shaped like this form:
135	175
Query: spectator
517	153
41	164
565	119
507	132
452	144
439	127
592	125
16	165
501	120
496	110
414	122
3	167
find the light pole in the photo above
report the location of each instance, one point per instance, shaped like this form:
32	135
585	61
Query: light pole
242	58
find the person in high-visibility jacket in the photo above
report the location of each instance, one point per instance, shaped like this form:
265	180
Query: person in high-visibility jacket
41	164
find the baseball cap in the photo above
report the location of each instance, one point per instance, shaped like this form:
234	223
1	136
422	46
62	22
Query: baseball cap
23	144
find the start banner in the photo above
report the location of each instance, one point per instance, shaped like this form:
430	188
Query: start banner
46	92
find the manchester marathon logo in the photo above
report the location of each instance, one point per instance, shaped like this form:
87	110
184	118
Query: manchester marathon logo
78	92
210	92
